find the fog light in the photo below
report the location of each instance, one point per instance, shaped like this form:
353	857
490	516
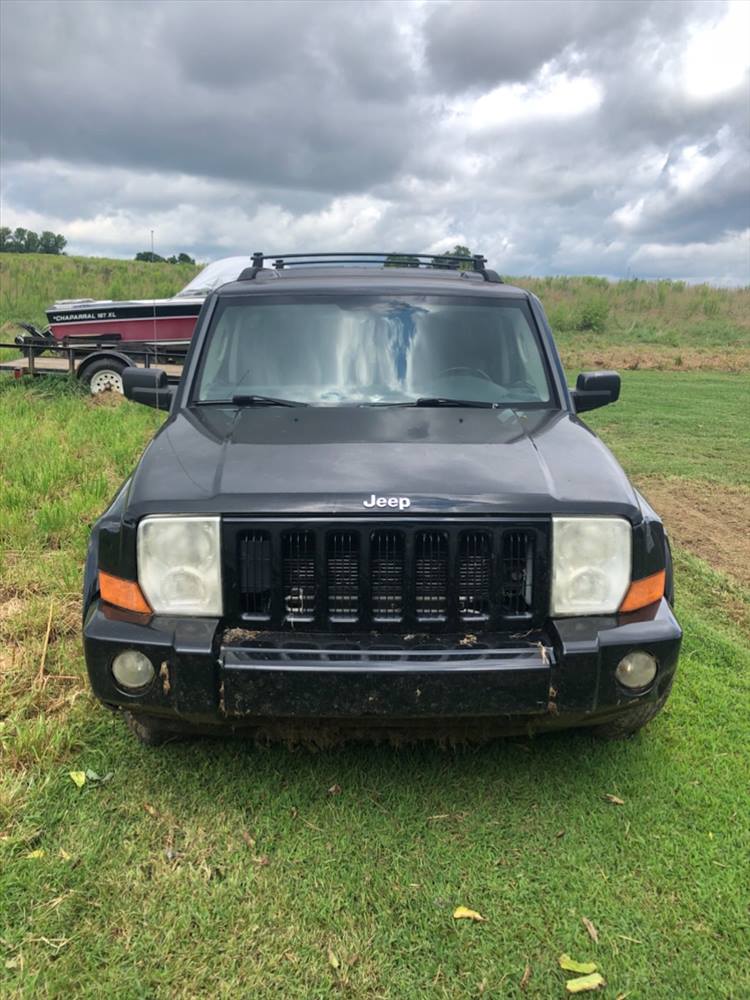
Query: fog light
636	670
132	669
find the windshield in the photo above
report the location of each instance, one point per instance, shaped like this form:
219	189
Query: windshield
214	276
373	350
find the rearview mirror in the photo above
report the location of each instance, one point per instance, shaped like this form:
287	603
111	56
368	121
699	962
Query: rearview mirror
148	386
595	389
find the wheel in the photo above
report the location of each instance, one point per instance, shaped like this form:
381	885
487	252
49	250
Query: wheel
630	722
150	731
104	375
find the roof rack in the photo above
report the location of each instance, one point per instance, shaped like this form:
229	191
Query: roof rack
448	262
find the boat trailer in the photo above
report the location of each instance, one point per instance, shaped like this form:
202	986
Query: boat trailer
98	364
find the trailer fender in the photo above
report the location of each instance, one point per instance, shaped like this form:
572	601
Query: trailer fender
99	355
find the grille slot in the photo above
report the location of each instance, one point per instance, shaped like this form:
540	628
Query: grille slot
474	575
517	566
255	574
387	575
431	574
298	559
342	575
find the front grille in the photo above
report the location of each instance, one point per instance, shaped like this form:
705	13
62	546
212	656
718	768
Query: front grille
342	575
298	562
475	575
410	577
431	575
517	555
255	567
387	575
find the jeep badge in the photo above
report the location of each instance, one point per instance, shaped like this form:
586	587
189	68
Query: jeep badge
403	503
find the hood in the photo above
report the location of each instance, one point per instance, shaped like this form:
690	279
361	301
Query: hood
328	461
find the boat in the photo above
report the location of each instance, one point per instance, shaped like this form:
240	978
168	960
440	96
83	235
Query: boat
137	323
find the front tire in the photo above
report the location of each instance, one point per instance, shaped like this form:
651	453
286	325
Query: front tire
149	731
634	719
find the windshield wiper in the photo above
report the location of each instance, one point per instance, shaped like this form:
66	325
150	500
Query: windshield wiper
251	400
436	401
446	401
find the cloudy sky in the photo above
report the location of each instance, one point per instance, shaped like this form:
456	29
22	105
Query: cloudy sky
556	137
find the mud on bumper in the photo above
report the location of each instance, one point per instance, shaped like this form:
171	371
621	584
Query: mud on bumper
563	675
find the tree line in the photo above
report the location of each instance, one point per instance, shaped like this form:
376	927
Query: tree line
21	240
406	260
153	258
27	241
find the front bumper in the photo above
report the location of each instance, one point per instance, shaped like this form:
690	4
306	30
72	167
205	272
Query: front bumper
562	676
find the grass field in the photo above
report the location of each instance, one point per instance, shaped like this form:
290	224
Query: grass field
229	870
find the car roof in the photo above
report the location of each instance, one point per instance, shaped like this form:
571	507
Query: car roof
416	280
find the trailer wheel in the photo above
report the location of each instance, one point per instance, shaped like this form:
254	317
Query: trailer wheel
103	376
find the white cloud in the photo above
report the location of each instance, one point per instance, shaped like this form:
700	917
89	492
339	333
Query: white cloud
725	262
695	168
717	57
551	97
689	176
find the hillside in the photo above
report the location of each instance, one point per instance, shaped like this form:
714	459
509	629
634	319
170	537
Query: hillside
630	324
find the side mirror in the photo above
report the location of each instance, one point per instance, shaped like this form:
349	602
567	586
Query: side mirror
595	389
148	386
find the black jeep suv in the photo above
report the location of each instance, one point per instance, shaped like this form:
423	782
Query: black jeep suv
373	506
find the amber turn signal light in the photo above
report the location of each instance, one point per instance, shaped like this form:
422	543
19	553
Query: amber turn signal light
644	592
122	593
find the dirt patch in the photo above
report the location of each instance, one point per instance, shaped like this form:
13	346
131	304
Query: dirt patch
711	521
7	662
646	358
10	607
106	398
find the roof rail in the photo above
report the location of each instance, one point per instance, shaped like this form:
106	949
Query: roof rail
451	262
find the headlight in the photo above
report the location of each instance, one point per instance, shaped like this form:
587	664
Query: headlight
179	564
590	564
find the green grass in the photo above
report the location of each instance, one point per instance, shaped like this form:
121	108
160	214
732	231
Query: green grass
222	869
680	424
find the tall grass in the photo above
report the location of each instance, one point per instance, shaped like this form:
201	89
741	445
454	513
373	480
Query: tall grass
656	313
